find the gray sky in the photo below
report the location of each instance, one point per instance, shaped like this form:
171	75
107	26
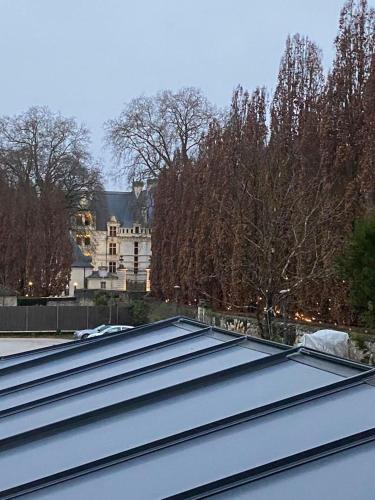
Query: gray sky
85	58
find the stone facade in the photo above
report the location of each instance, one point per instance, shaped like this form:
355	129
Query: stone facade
115	233
120	247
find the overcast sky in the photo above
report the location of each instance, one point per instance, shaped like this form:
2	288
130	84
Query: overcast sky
85	58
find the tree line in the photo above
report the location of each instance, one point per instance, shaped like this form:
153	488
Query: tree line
255	219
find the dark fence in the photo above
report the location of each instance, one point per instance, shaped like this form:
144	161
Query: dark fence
54	318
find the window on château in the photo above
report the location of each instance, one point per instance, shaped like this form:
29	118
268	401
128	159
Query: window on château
136	257
112	231
112	249
136	229
103	285
112	267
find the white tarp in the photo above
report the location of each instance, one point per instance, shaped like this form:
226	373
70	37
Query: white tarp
329	341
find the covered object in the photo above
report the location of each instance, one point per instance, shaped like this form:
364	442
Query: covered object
177	409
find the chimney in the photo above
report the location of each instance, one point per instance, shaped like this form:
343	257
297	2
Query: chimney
137	187
102	271
151	183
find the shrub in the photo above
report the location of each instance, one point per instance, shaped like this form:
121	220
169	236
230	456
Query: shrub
101	299
138	311
357	267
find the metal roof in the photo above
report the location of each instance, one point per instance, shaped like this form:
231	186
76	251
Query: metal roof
177	409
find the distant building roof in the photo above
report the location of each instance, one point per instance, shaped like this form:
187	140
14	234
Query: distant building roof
125	206
177	409
7	292
79	259
96	275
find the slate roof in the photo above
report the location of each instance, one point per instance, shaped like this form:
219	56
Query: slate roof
79	259
125	206
96	275
177	409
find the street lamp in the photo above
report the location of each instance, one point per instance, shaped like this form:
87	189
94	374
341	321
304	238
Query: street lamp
30	287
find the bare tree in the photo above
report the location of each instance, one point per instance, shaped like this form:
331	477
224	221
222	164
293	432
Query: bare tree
41	148
150	130
289	234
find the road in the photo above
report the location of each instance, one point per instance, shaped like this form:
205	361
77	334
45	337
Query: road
14	345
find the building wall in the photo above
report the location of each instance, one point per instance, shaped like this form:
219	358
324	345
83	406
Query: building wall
8	301
77	278
125	250
111	284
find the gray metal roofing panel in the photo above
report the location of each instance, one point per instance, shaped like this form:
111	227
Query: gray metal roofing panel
174	416
174	413
68	359
252	342
178	468
347	475
101	372
181	322
120	355
21	357
124	390
326	363
186	324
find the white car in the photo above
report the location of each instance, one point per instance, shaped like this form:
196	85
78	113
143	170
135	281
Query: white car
83	334
109	330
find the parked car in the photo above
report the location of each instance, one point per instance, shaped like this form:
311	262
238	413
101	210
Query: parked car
109	330
83	334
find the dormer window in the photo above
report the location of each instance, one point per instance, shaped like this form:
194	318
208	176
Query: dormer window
112	231
136	229
87	241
